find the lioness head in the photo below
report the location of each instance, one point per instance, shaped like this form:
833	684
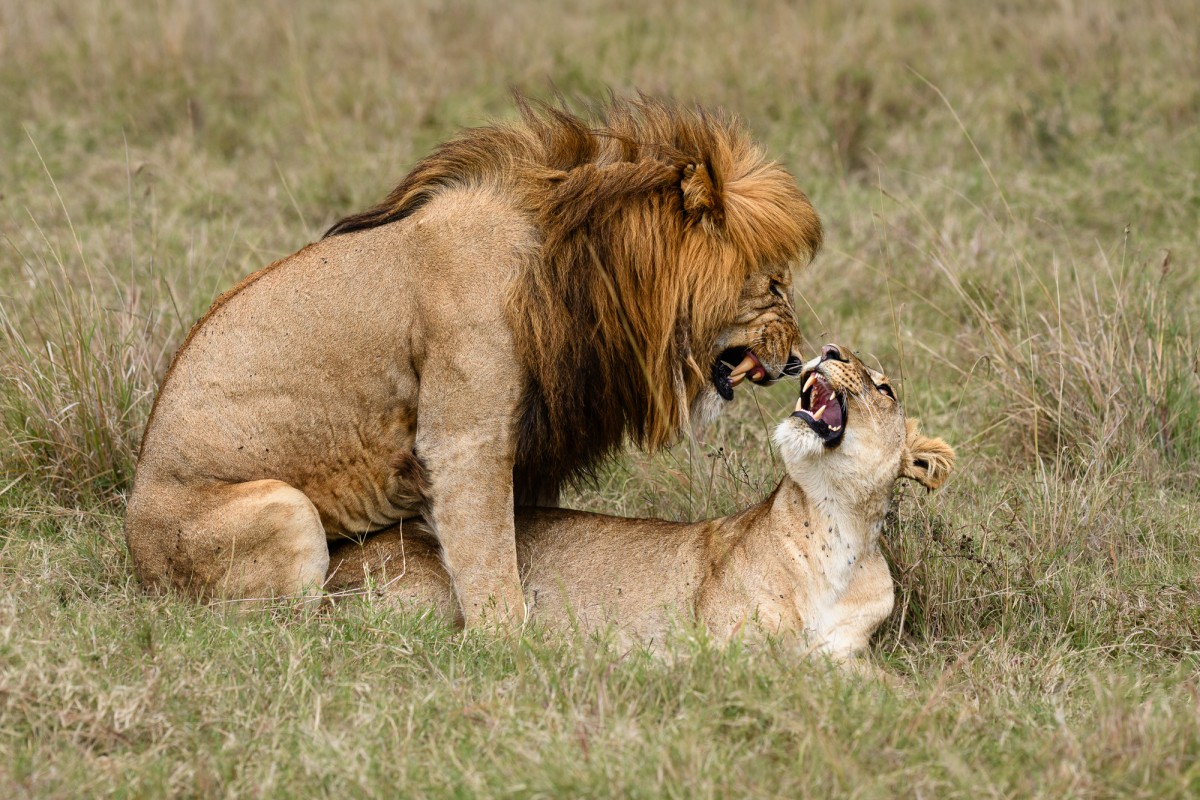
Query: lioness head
848	432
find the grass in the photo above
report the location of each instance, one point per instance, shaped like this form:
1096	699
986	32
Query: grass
1010	195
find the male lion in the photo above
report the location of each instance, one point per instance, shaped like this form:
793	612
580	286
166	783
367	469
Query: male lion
526	298
804	561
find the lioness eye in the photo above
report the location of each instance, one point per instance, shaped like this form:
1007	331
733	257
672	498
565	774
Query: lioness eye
886	389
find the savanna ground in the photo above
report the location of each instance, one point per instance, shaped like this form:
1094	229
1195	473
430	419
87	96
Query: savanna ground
1011	196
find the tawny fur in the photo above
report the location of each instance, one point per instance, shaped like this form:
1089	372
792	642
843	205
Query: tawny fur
804	562
530	294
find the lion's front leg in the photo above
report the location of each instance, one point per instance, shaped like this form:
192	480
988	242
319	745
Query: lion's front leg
472	516
466	440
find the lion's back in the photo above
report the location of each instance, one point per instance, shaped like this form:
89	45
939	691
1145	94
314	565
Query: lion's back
308	371
279	366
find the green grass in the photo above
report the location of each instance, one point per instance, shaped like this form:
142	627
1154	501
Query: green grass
1011	200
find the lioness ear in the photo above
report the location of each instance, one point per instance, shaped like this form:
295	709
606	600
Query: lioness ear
927	461
700	194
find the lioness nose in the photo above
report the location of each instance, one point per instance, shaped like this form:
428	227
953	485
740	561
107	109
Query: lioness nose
830	352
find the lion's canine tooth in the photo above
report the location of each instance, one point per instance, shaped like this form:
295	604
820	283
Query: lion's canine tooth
836	428
820	412
743	367
808	383
800	404
734	381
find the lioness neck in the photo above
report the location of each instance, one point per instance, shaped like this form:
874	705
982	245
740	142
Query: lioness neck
843	518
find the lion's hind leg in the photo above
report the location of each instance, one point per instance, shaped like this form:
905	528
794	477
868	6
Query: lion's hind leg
251	540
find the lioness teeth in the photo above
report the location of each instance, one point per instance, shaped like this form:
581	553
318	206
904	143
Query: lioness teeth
819	413
808	383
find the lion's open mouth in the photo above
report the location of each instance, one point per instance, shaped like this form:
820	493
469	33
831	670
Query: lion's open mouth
734	366
822	408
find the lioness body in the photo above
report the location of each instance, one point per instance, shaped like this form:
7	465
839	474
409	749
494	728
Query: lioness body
804	561
776	567
526	299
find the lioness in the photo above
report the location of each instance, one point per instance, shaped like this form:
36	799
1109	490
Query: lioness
530	296
806	560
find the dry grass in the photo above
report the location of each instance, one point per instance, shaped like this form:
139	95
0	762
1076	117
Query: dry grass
1011	197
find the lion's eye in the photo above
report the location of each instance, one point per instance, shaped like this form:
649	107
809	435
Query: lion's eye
778	290
886	389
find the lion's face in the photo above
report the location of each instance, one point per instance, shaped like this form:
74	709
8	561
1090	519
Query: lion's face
761	342
849	432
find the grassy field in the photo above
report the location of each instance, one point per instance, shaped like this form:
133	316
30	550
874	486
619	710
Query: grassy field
1011	195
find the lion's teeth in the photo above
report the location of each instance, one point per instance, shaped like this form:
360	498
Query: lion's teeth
748	363
812	378
820	412
735	380
836	428
800	404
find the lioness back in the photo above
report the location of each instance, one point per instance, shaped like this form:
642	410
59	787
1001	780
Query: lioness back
592	568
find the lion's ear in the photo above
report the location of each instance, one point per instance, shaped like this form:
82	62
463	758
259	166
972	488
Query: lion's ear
927	461
700	194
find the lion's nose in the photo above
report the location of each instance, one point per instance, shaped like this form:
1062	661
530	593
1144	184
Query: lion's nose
830	352
794	366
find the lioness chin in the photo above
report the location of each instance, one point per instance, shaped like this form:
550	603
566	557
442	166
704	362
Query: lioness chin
804	561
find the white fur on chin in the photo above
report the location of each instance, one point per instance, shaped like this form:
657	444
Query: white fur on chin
797	442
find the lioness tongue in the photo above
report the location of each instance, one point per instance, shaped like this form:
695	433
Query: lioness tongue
833	414
823	402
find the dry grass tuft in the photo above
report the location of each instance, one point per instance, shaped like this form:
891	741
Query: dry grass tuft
78	383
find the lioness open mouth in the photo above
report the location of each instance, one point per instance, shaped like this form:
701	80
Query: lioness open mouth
822	408
735	365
